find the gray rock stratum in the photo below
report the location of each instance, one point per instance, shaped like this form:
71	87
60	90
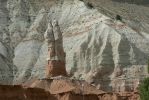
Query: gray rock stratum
98	48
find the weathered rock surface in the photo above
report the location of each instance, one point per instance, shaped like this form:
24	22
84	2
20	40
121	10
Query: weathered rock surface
56	55
73	89
60	89
98	48
18	92
7	68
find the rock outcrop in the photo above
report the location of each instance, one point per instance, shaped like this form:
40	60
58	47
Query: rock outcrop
99	49
60	88
56	54
17	92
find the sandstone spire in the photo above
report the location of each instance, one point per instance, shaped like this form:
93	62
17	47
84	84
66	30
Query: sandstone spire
56	54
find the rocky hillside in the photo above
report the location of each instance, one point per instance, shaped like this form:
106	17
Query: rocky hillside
22	93
134	12
98	48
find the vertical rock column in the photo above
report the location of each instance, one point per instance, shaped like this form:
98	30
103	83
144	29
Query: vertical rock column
56	54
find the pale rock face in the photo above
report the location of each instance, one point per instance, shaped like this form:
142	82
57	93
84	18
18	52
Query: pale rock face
3	13
49	36
31	46
38	27
6	65
3	50
98	48
29	51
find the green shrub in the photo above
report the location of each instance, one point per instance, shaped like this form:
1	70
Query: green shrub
118	17
144	89
89	5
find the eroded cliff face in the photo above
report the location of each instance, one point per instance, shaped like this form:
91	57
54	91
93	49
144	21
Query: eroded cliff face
18	92
6	51
98	48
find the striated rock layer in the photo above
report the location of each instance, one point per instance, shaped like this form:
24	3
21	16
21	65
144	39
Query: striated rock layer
18	92
101	50
60	89
56	68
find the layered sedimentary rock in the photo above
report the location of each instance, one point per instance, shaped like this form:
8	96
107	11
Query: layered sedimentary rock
99	49
65	88
56	54
17	92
